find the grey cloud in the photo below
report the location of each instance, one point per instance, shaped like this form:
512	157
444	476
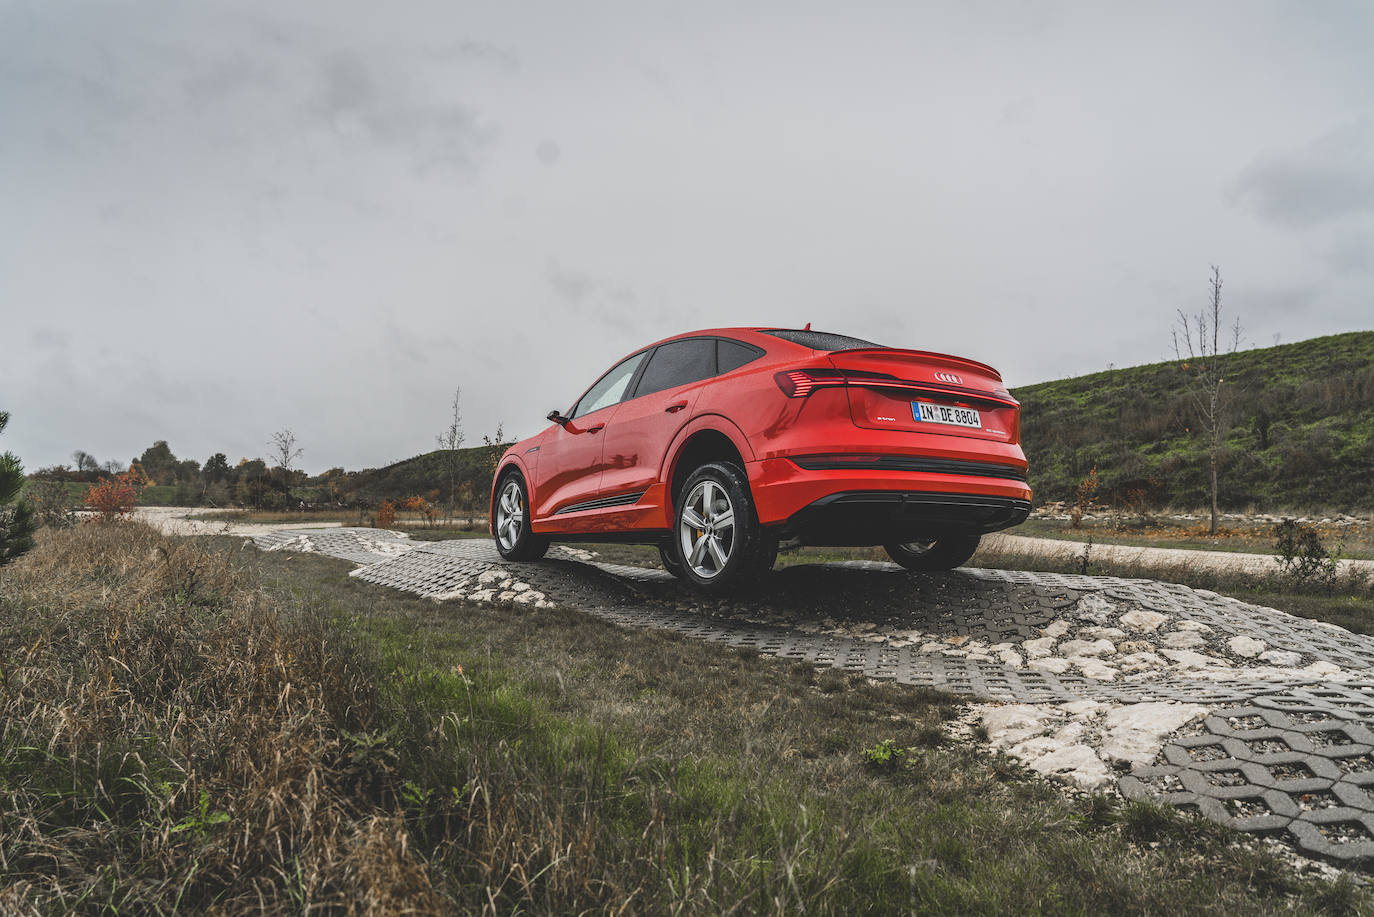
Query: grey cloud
360	96
1330	178
572	285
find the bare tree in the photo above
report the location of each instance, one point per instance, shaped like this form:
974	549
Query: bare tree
84	461
1206	364
451	440
284	449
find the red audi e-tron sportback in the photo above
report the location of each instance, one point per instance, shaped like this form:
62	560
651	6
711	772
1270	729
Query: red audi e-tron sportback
719	445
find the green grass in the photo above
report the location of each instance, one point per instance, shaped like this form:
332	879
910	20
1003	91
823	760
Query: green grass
196	726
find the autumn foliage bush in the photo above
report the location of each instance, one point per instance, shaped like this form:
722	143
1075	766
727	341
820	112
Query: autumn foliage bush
117	496
420	506
386	515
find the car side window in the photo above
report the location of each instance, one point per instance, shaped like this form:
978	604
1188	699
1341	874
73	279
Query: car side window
610	388
677	363
732	355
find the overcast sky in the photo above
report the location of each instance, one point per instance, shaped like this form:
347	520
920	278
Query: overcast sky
219	220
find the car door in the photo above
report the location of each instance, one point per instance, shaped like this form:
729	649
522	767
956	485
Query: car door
638	436
569	468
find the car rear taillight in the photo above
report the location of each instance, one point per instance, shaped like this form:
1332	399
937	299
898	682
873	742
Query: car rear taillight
798	383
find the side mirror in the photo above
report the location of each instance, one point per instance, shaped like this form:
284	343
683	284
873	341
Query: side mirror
557	418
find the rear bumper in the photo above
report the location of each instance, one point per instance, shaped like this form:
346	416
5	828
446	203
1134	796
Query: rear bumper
868	517
878	505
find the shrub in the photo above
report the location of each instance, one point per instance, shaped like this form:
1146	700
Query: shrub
117	496
17	524
1083	499
1301	554
386	515
52	504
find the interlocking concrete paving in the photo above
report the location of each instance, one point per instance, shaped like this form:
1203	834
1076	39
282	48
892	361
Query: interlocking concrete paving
1249	716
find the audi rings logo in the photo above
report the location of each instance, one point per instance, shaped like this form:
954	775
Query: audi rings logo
950	378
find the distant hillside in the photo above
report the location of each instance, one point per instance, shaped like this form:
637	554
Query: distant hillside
1302	433
421	476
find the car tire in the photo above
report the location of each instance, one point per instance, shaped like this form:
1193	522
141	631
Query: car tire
511	521
943	553
671	561
717	543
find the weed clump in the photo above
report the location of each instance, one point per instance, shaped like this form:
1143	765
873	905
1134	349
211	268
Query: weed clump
1301	555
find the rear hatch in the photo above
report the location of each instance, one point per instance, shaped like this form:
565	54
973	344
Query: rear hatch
920	392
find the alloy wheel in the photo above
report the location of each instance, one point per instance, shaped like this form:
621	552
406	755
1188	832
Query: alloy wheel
706	529
510	514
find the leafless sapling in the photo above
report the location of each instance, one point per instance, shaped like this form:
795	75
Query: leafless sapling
1206	364
450	440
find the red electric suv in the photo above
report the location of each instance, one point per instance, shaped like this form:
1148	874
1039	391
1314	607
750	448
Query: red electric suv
719	445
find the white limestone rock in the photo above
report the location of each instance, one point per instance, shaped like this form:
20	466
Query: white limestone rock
1283	658
1182	640
1075	764
1037	647
1139	662
1011	658
1093	668
1245	646
1148	621
1082	709
1056	664
1011	724
1055	629
1187	659
1134	733
1093	607
1102	633
1087	648
1322	667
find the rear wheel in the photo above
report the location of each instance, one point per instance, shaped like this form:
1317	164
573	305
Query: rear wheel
943	553
718	545
511	518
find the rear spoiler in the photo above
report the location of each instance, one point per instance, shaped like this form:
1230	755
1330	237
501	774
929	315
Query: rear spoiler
944	357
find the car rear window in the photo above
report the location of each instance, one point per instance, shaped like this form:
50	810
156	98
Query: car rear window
821	340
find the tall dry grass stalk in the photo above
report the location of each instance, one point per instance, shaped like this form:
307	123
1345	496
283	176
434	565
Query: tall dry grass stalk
168	742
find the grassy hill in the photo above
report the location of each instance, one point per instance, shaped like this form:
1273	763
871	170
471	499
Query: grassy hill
1301	434
422	475
1301	437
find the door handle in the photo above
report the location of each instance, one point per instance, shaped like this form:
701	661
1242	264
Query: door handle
596	428
675	407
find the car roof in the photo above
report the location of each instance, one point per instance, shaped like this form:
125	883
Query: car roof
752	335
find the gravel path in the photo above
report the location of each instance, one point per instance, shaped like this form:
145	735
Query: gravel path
1249	716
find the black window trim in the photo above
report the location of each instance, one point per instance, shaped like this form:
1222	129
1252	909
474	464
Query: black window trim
758	352
648	352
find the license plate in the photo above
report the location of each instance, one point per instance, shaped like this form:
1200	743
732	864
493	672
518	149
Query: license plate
926	412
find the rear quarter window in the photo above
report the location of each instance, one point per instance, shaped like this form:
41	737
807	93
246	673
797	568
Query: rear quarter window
732	355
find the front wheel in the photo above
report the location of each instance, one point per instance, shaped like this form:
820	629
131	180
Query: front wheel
511	519
943	553
718	545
